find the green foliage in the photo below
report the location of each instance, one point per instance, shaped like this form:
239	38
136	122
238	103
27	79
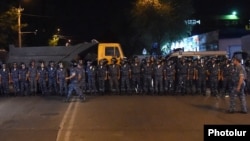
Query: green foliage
161	20
9	27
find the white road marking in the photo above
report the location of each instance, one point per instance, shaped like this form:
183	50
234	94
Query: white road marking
67	122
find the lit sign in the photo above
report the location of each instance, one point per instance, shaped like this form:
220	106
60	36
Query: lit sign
192	22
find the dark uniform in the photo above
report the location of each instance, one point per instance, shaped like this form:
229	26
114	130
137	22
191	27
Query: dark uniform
136	76
32	76
23	79
125	76
102	76
226	77
201	76
158	75
61	75
182	72
4	80
91	77
169	75
148	73
42	75
81	68
74	78
238	87
52	84
14	72
214	75
114	76
190	78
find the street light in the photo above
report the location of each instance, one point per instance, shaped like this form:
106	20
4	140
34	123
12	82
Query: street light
19	10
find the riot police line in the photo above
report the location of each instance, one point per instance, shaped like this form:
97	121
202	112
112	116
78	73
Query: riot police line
147	76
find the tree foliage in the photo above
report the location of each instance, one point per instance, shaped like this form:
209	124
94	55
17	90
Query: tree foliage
161	20
9	27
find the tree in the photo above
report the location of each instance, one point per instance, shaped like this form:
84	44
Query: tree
161	21
9	28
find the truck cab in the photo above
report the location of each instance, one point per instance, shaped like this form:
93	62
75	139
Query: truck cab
108	51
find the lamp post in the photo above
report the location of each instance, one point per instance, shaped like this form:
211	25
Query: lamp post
19	10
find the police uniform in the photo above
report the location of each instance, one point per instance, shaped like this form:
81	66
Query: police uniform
14	72
148	72
158	75
238	77
23	79
169	75
42	75
74	83
114	76
52	84
125	76
61	74
102	73
32	76
4	79
91	77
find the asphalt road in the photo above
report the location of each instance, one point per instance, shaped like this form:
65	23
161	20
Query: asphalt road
113	118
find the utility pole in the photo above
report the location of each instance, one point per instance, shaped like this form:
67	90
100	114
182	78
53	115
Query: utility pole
19	10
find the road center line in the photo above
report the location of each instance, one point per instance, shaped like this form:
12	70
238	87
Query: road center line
67	122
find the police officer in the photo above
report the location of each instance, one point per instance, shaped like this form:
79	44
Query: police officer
238	86
169	77
190	77
61	75
74	78
42	77
102	76
125	76
226	77
32	77
4	79
136	75
82	70
23	79
182	71
148	73
159	75
214	76
114	76
14	73
91	77
201	73
52	84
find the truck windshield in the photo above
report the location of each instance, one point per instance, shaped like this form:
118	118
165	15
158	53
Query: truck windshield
112	51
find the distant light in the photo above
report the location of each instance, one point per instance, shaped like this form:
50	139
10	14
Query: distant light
234	13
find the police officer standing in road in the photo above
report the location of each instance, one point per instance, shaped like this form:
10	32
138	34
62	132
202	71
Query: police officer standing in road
32	76
23	79
114	76
201	72
61	75
52	84
159	73
238	86
169	77
148	72
14	72
214	76
125	76
4	79
42	77
136	75
91	77
74	78
102	76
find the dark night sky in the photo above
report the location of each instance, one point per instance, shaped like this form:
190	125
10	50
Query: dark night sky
88	19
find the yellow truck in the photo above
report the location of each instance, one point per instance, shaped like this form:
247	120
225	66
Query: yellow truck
87	51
